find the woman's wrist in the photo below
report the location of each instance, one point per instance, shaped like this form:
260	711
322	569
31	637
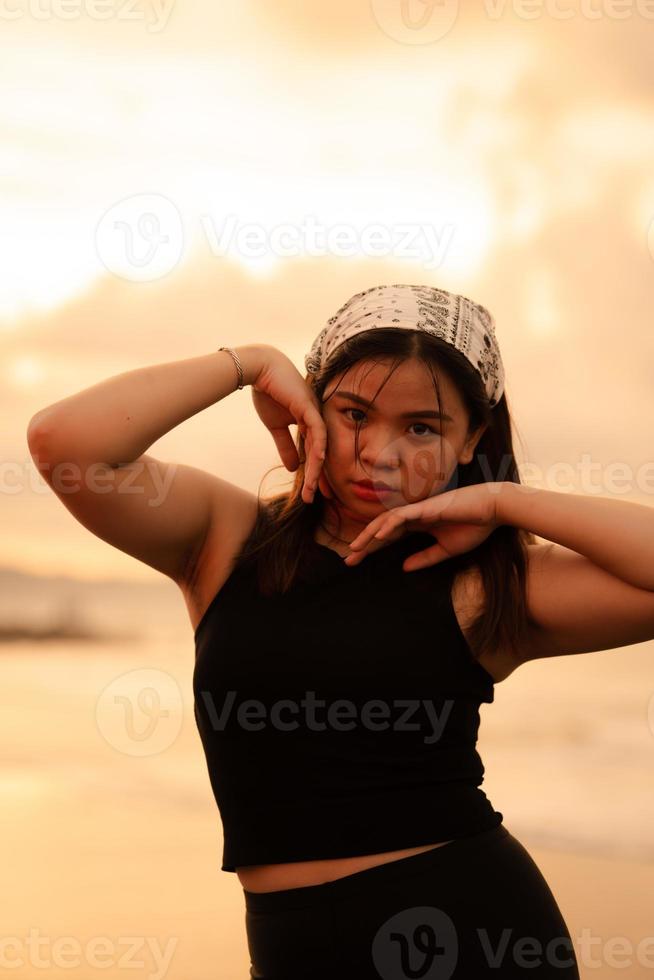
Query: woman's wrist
252	359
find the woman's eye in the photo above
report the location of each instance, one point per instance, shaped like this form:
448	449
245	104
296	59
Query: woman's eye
423	425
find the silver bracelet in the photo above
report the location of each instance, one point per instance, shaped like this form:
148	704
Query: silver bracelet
237	362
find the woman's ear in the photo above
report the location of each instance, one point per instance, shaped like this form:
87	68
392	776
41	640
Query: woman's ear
468	452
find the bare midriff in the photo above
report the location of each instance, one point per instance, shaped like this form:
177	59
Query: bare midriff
297	874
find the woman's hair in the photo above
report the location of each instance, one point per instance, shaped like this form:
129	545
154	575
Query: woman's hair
285	524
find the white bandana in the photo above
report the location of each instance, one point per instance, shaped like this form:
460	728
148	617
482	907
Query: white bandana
456	319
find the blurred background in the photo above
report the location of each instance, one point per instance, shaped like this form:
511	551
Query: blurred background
177	176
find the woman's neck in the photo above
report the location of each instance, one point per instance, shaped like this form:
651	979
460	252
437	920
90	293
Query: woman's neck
336	539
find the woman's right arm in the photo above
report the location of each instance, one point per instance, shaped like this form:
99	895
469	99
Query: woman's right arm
91	449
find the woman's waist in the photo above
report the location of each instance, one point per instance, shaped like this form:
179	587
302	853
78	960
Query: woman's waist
298	874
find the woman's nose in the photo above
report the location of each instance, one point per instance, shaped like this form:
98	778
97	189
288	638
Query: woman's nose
379	452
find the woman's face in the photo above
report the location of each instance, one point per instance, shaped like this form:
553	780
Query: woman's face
402	441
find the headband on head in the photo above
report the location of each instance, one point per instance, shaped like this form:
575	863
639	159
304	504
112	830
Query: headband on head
456	319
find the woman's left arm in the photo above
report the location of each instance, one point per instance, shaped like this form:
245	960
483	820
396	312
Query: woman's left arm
591	586
617	535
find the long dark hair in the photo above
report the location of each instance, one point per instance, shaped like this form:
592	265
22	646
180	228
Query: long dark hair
285	524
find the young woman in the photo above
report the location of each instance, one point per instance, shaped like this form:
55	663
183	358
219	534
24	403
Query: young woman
346	633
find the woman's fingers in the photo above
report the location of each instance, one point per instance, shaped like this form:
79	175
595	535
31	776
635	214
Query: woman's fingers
312	476
286	448
425	558
380	527
383	528
282	398
359	545
316	446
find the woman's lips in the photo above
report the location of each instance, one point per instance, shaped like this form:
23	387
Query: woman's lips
368	492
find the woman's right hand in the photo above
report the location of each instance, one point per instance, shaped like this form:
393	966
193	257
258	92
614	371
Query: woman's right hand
282	397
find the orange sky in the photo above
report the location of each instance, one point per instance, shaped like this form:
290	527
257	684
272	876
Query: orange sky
518	152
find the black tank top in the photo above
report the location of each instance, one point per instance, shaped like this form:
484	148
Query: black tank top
341	718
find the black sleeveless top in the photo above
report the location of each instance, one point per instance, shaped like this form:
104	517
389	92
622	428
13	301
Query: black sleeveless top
341	718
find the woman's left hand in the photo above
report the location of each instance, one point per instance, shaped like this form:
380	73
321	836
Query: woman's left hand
459	519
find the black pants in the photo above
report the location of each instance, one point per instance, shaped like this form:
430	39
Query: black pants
476	907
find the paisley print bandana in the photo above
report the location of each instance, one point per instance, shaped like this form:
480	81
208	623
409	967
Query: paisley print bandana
456	319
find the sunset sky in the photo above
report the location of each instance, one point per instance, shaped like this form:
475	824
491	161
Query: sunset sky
504	156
